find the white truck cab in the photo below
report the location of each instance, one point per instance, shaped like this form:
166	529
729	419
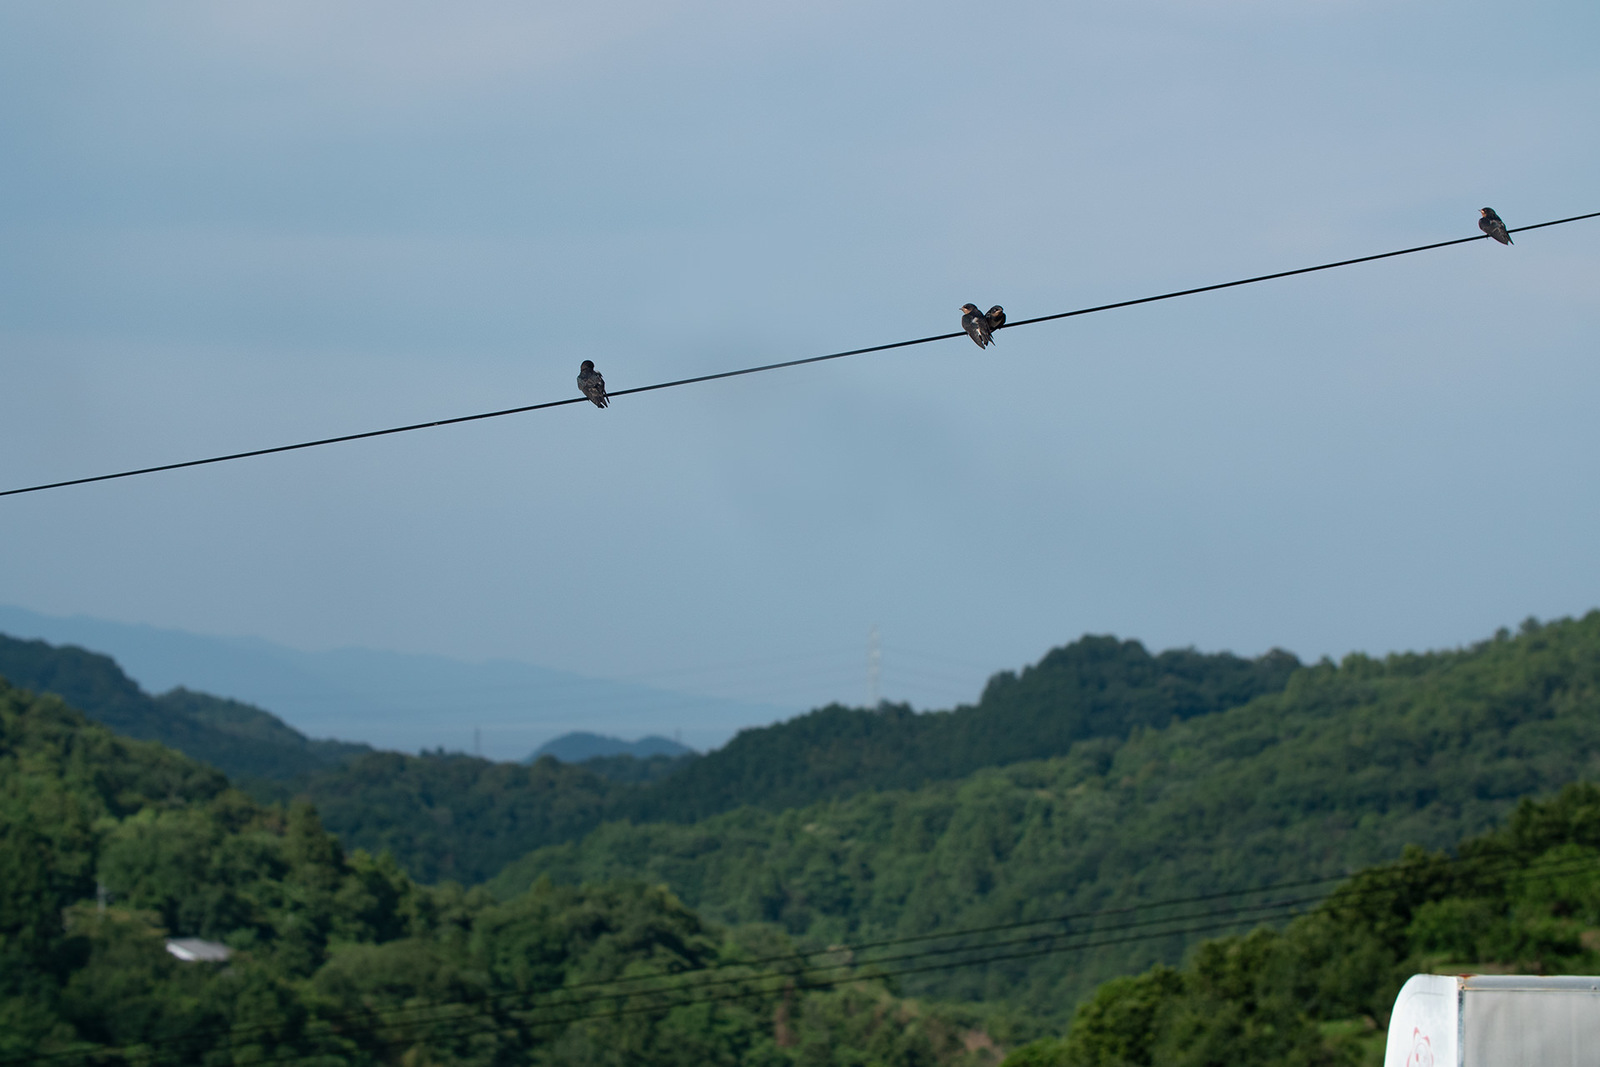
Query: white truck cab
1495	1020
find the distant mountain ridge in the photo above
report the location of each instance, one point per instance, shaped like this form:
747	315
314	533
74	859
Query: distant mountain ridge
580	745
452	816
109	846
1097	686
402	701
444	815
1344	762
1343	767
242	741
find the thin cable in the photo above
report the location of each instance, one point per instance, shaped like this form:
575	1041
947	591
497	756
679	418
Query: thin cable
1377	882
341	439
790	957
685	980
397	1028
1230	916
464	1024
467	1023
808	985
1289	273
1508	864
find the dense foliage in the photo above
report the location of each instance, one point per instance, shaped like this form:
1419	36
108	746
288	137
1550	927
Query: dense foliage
443	816
449	816
635	769
240	740
342	959
1342	769
453	816
1524	899
1094	687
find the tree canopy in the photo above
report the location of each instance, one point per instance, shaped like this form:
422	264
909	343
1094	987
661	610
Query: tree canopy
340	958
1342	769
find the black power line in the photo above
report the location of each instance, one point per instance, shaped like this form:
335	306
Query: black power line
1371	883
1376	884
341	439
467	1023
686	977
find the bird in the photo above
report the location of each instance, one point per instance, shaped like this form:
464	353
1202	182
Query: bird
976	325
593	386
1491	225
996	316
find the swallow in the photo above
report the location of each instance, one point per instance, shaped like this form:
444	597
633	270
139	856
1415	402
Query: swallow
996	317
1491	225
593	386
976	325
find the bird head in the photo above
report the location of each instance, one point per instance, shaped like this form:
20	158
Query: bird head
969	309
588	365
1488	212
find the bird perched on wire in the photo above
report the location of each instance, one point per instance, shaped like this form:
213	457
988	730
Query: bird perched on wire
1491	225
996	317
976	325
593	386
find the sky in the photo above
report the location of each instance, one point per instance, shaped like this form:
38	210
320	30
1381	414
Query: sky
231	226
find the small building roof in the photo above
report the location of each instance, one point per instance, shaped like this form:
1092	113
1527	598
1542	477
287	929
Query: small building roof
196	950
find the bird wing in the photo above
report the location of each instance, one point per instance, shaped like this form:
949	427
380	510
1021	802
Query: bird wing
594	387
977	328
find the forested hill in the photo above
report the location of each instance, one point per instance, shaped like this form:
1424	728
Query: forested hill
241	740
1094	687
340	959
443	816
1343	768
451	816
1524	899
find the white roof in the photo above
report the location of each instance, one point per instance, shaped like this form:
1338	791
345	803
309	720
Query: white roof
1572	983
1495	1020
196	950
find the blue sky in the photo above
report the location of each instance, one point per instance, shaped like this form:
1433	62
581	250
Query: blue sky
229	226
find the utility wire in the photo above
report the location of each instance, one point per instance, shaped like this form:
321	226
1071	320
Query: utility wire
806	985
764	367
1373	883
767	962
465	1024
473	1021
1212	919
